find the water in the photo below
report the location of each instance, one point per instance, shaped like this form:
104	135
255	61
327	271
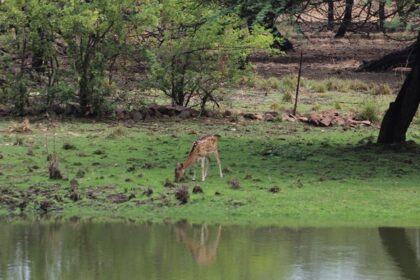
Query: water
84	250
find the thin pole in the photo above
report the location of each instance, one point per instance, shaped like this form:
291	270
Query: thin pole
298	83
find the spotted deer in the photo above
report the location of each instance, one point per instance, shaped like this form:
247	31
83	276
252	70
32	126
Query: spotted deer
203	251
200	151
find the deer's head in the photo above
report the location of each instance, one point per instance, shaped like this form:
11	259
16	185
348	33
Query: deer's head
179	171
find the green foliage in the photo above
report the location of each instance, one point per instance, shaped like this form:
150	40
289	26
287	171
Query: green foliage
334	84
369	111
287	96
382	89
199	51
96	34
318	86
359	86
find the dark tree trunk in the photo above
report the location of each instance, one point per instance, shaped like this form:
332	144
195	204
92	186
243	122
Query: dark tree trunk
400	58
38	55
84	94
398	246
381	14
346	20
401	112
330	25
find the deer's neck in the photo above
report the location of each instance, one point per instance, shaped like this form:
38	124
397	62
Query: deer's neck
191	159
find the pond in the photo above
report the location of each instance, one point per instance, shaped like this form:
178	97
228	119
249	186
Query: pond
81	249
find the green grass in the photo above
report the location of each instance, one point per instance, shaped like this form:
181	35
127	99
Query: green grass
325	176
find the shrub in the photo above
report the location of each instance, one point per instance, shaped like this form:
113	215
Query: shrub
369	111
288	83
383	89
287	96
359	86
337	105
201	51
318	86
334	84
274	83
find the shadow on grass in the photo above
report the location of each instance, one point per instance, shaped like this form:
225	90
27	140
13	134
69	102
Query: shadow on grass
332	161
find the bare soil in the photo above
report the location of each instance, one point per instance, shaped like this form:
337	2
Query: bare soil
325	57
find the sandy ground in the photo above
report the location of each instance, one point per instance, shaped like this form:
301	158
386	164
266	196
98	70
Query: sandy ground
325	57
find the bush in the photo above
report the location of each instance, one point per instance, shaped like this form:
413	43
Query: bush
359	86
288	83
383	89
287	96
334	84
318	86
201	51
369	111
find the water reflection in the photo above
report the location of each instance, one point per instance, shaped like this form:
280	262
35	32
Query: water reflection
398	246
84	250
203	252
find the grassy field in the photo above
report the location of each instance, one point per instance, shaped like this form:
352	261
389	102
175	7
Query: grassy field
325	176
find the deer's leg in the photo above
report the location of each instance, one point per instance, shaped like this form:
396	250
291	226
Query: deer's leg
208	166
219	163
193	170
193	177
203	163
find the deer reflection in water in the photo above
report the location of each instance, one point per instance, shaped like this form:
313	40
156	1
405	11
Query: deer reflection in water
203	251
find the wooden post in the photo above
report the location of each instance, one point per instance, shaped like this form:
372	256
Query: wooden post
298	83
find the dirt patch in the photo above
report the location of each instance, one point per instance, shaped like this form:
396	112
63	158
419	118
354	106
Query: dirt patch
326	57
96	192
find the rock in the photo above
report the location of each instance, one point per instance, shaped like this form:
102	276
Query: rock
227	113
234	184
74	196
185	114
274	189
197	189
169	184
120	114
117	198
268	117
74	185
69	146
249	116
182	195
136	116
147	192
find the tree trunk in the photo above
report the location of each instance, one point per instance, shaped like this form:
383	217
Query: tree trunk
381	14
330	25
398	246
401	112
400	58
346	20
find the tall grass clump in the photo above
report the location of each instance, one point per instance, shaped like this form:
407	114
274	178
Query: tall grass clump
383	89
317	86
369	111
287	96
334	84
288	83
359	86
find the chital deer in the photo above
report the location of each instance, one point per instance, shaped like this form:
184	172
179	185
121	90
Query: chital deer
201	150
203	252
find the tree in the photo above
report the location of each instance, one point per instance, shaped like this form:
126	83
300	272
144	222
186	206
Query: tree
22	22
198	49
330	25
95	33
401	112
346	19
